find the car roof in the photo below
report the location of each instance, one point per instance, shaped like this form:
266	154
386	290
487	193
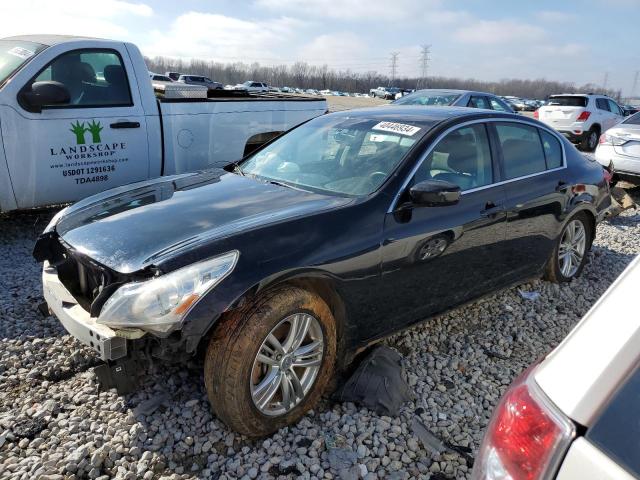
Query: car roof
446	91
424	116
49	40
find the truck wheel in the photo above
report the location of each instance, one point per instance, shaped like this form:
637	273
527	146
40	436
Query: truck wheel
269	362
570	253
589	140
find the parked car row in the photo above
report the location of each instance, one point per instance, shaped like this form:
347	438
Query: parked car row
173	77
523	104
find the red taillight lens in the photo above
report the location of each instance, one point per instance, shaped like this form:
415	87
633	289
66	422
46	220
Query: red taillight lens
526	437
536	114
583	117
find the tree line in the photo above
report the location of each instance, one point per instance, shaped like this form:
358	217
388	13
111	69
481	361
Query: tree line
321	77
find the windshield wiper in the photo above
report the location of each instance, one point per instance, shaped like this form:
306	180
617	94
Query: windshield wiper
237	169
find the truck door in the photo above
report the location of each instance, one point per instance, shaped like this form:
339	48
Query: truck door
96	141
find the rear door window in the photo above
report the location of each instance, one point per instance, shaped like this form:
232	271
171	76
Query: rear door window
498	105
568	101
477	101
522	151
613	106
602	104
552	149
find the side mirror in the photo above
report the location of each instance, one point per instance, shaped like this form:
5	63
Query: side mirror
44	94
434	193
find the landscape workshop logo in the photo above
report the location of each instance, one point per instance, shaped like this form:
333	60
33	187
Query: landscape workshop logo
79	130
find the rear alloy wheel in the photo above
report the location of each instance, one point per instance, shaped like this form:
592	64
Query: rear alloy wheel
590	140
269	362
569	256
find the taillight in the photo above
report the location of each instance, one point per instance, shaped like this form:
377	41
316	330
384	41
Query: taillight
526	438
536	114
583	117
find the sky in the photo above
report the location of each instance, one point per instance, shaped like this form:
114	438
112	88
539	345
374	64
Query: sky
579	41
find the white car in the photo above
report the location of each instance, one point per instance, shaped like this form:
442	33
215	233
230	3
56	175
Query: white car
580	117
574	416
619	150
251	86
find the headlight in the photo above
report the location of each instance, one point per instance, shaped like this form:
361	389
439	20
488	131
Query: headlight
160	304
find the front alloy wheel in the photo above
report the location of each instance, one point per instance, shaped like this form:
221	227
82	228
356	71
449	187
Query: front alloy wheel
269	361
287	364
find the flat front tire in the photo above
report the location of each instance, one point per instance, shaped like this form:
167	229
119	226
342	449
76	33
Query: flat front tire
268	363
569	255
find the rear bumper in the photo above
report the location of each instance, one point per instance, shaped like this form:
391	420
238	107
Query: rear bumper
572	136
622	165
77	320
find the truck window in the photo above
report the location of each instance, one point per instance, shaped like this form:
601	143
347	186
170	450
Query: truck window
94	78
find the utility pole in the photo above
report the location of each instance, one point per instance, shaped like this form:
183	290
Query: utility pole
635	83
424	64
394	66
605	81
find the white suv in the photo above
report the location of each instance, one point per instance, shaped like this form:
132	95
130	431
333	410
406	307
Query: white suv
251	86
574	416
580	117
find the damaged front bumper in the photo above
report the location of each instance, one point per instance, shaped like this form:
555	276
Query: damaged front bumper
77	321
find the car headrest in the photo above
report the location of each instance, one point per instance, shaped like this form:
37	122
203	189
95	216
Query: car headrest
115	75
87	73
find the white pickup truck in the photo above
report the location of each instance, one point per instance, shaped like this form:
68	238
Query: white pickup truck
79	116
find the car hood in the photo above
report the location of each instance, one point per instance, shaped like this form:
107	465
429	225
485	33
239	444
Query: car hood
130	228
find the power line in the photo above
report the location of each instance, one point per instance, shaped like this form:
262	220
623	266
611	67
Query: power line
424	64
394	66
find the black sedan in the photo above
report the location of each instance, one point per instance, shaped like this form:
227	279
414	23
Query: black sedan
347	228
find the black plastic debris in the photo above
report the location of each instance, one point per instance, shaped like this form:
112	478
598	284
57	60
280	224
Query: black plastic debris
28	428
435	446
378	383
431	443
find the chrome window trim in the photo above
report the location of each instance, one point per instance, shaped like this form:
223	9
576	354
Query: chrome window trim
418	164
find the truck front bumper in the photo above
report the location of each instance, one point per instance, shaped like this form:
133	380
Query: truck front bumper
77	320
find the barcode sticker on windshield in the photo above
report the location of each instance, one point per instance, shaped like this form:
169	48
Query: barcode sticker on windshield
20	52
401	128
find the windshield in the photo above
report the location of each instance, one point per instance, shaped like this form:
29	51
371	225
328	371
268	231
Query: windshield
14	54
568	101
428	98
341	155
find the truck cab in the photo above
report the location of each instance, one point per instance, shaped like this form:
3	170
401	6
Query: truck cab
79	116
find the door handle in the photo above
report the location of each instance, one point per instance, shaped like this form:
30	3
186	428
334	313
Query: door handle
125	125
562	186
491	209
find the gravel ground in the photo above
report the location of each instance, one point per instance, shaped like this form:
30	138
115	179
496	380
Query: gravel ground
55	424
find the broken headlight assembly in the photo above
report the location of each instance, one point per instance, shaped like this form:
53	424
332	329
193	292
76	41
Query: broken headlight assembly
160	304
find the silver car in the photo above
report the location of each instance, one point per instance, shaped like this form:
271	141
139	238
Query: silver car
458	98
200	80
619	150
